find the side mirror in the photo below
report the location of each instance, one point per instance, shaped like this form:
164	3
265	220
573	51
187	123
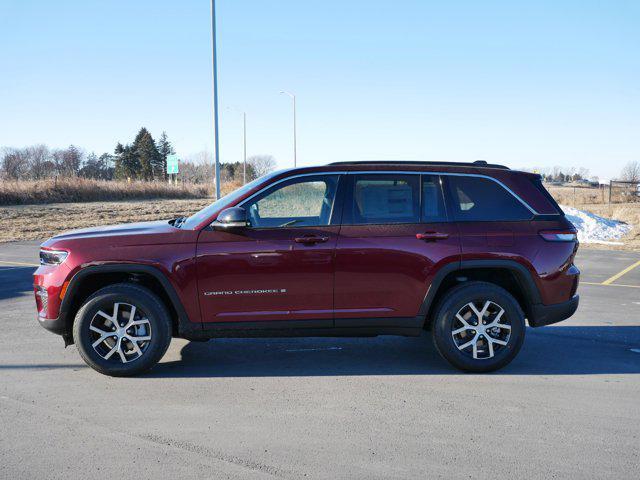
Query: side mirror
230	218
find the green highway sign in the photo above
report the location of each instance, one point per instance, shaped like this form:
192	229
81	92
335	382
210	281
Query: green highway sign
172	164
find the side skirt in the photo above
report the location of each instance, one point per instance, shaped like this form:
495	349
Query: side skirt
310	328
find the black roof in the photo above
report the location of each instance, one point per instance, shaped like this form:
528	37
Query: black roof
476	164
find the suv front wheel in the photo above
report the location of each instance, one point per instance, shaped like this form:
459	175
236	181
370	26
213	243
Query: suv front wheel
478	327
122	330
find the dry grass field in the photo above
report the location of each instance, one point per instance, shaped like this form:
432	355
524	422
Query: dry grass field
35	222
35	210
25	192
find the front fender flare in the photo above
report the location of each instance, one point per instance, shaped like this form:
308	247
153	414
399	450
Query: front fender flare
185	326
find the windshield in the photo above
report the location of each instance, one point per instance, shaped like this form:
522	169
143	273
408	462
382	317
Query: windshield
194	220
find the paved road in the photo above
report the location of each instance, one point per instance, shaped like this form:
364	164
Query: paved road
567	407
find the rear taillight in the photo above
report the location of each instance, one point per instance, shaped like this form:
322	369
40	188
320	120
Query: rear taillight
559	235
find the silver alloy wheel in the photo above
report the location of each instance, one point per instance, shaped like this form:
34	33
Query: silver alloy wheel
480	332
126	331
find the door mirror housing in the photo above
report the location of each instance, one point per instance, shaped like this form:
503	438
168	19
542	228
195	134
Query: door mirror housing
231	218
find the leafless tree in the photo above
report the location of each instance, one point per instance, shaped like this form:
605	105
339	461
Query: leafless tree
197	168
262	164
14	163
583	173
68	161
570	173
631	172
40	162
191	172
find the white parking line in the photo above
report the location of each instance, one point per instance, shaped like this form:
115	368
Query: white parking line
313	349
18	264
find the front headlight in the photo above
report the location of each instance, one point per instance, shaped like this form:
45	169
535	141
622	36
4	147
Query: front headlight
52	257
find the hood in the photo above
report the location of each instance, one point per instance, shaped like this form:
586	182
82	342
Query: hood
138	228
125	235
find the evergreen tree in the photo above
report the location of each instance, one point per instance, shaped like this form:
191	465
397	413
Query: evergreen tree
98	168
106	166
147	153
131	163
127	164
91	167
118	164
165	149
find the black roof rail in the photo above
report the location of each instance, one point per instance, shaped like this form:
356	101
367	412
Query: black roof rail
477	163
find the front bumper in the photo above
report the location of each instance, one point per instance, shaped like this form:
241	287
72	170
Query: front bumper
49	282
56	325
542	315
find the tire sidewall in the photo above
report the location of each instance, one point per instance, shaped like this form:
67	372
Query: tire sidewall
479	292
104	300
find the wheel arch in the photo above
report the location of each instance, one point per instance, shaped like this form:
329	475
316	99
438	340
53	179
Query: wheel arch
508	274
90	279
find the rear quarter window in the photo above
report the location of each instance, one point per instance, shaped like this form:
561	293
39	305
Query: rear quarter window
537	182
477	199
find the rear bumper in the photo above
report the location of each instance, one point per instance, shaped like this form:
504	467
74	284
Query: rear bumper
542	315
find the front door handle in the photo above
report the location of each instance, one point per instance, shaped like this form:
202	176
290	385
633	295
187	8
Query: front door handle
432	236
311	240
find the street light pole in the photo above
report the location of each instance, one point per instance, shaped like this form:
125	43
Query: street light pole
295	155
216	150
244	147
244	142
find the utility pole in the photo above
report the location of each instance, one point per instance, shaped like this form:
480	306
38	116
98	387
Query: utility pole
295	155
216	149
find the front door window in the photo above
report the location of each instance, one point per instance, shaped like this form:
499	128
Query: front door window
300	202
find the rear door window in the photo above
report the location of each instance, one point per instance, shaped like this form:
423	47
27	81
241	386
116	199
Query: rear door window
383	199
480	199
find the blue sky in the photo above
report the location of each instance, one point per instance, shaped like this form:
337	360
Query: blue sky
537	83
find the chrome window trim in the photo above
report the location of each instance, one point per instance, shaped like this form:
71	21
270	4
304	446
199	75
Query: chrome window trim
391	172
452	174
250	197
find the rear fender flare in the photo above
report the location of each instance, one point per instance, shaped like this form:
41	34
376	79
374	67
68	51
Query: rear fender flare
522	274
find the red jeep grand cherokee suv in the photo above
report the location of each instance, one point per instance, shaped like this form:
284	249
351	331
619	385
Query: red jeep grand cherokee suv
468	251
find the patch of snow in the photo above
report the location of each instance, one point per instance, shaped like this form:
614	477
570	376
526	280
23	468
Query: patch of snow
594	229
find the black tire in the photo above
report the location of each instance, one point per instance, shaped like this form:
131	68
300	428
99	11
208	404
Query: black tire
104	299
445	323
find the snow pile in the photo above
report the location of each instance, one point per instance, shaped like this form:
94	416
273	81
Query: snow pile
594	229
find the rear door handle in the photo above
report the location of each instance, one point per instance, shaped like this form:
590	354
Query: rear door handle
310	240
432	236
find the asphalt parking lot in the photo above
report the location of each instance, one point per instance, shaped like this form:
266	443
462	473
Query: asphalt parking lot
386	407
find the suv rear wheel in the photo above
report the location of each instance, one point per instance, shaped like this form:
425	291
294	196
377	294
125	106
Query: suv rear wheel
122	330
478	327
